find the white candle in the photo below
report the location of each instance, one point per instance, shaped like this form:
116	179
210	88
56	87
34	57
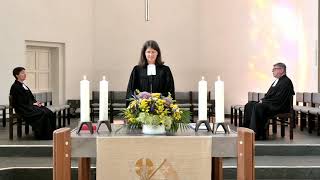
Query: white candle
202	99
84	100
103	102
219	100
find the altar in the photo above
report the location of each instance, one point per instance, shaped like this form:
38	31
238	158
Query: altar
129	154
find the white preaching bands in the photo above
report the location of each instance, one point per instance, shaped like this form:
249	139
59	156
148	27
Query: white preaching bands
275	82
151	70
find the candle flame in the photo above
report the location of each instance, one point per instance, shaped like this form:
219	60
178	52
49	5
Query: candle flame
84	77
104	77
218	78
202	77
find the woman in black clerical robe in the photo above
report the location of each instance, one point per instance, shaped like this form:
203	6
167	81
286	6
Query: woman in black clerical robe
150	74
34	113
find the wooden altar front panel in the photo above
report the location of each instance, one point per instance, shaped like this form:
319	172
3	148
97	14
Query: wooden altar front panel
84	147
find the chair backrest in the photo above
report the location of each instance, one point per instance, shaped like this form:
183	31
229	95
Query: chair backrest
299	98
195	96
316	99
307	99
37	96
49	98
250	96
119	97
43	97
95	96
261	95
183	97
255	96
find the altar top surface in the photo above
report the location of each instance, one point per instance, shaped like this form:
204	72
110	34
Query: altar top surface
124	130
84	143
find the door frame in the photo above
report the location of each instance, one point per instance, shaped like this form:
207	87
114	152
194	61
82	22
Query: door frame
58	65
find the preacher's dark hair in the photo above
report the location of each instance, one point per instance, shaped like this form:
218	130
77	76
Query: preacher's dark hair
143	59
281	65
16	71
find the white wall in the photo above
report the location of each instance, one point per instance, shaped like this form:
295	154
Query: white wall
68	22
121	30
239	40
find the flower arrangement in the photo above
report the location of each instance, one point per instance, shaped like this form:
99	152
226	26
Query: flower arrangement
154	109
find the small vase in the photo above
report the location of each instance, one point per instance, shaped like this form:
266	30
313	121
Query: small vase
151	129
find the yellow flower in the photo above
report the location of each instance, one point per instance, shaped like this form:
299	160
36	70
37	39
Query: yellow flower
132	104
156	95
177	115
174	106
144	106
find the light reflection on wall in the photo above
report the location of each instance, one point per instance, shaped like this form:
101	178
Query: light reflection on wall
276	34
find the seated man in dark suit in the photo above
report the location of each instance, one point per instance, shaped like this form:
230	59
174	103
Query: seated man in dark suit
38	116
277	100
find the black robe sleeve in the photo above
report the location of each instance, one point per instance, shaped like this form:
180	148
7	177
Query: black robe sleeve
170	83
132	84
279	96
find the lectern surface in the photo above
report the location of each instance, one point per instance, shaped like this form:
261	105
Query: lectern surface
84	143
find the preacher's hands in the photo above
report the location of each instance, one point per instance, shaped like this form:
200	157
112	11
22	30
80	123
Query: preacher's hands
39	104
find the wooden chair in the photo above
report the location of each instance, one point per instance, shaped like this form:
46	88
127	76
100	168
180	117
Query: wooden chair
211	104
285	119
261	96
184	100
61	112
118	103
238	109
12	116
195	106
304	112
74	107
297	107
4	115
314	112
94	105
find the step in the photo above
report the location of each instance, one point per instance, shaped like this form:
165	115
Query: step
38	173
287	149
279	167
29	168
267	167
25	150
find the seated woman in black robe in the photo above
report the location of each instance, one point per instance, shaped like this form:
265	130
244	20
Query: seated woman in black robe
34	113
150	74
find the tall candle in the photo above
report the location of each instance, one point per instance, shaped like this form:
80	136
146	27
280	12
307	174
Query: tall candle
84	100
103	102
202	99
219	100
